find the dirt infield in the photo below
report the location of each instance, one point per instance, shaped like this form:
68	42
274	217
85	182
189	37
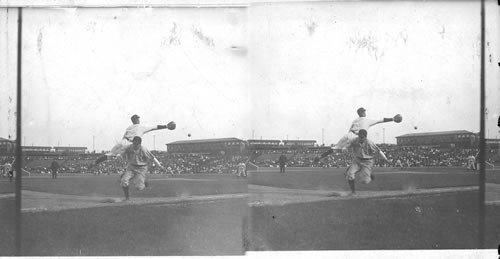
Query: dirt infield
40	201
278	189
272	196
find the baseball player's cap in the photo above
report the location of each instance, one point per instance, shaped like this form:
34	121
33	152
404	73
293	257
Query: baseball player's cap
360	110
135	116
137	139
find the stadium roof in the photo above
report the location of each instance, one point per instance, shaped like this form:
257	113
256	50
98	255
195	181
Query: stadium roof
204	141
263	140
436	133
4	139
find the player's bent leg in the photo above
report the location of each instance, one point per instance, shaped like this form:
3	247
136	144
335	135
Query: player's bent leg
124	182
140	181
366	175
345	141
352	186
350	175
366	170
125	178
126	193
119	147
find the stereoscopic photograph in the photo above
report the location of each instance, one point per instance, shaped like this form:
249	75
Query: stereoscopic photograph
247	128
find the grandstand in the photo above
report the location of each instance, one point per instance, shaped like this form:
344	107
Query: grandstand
441	139
7	146
265	144
207	146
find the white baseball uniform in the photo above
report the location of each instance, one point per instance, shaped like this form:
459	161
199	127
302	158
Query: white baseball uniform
137	166
134	130
471	162
363	159
241	169
356	125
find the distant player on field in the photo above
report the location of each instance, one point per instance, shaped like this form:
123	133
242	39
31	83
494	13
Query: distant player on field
242	169
362	123
7	167
134	130
282	162
54	167
137	157
471	163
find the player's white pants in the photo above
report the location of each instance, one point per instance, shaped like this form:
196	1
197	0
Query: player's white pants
345	140
137	174
119	147
471	165
363	167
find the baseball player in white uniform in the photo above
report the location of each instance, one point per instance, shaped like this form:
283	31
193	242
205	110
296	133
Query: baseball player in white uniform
242	170
7	167
137	157
363	158
471	162
134	130
362	123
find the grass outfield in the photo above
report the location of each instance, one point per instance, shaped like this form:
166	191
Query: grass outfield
108	185
446	221
493	177
426	222
389	179
207	227
213	228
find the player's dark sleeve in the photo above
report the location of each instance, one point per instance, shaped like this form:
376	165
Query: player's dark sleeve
388	119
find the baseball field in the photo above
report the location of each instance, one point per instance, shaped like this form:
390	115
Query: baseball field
303	209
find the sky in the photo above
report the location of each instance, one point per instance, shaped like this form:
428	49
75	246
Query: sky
271	71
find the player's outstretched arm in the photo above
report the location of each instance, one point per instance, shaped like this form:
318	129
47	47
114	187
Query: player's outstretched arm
397	118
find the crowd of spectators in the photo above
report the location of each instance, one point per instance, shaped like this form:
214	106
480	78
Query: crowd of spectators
224	164
199	163
397	157
174	163
427	157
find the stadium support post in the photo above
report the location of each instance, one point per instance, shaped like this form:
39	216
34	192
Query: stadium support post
18	136
482	142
